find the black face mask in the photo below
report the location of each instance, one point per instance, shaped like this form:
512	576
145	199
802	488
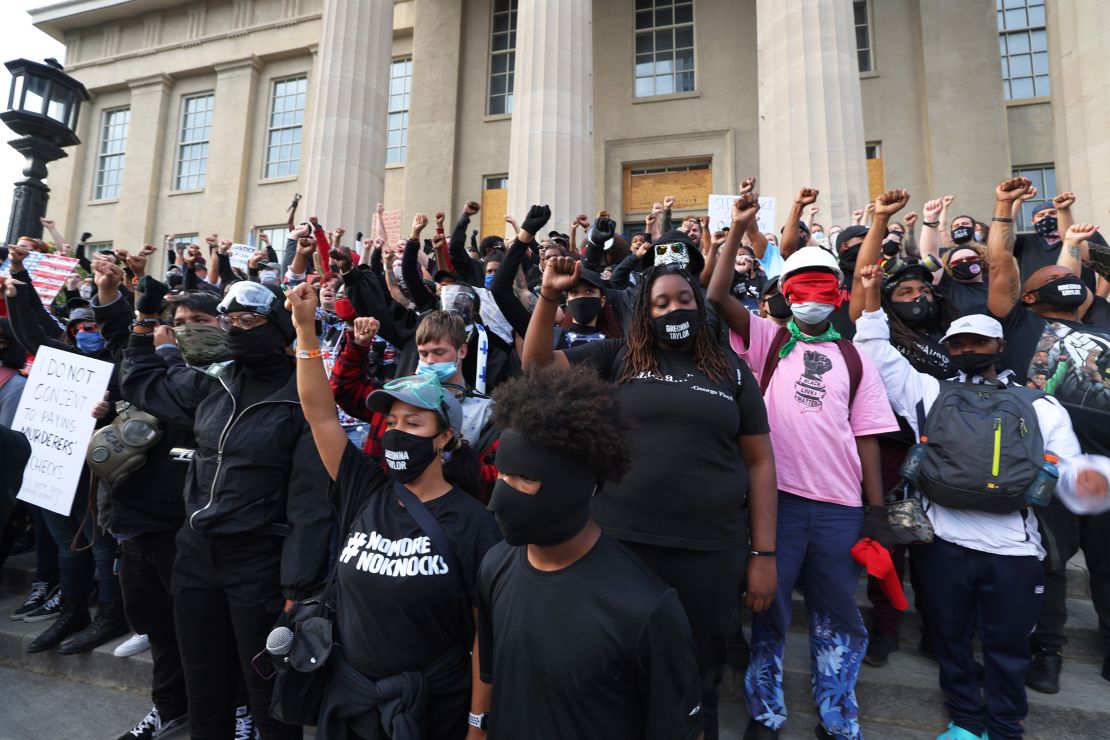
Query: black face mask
584	310
918	312
677	328
407	455
966	271
891	247
258	347
963	234
1069	292
973	363
778	307
848	261
557	511
1046	226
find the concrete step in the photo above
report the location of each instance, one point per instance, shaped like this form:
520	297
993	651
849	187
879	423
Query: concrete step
1084	644
905	697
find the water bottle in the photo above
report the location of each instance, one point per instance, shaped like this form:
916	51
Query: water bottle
1040	491
912	464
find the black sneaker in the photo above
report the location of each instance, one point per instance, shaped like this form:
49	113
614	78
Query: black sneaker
72	618
108	624
152	726
1044	674
41	592
244	724
879	648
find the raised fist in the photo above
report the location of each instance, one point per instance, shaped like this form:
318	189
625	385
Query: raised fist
561	274
668	202
538	215
1063	200
891	202
1012	189
1078	233
747	186
744	209
365	329
471	208
807	196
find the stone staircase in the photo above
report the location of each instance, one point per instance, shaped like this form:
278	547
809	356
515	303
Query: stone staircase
899	701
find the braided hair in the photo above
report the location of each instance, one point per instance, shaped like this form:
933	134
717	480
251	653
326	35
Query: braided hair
641	357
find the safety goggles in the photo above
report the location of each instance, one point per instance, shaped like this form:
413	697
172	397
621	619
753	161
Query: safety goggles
671	253
422	391
249	296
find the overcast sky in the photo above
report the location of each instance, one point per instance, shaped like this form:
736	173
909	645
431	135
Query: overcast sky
21	39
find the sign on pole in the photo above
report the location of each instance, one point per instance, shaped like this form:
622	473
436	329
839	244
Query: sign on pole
55	414
720	213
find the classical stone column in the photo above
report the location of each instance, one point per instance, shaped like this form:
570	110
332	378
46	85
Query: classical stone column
229	154
144	161
345	162
810	111
1078	39
551	144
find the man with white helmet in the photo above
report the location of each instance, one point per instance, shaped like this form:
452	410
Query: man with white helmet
815	385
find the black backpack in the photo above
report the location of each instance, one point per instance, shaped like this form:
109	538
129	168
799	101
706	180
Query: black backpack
983	446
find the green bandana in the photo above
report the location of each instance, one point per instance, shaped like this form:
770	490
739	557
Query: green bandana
829	335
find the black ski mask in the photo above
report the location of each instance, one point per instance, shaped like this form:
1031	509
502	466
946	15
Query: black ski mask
262	346
557	511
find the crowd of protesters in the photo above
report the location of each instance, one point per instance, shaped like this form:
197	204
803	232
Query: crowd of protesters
555	487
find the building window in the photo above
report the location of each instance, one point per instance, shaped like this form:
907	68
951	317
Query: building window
109	158
1023	46
182	241
400	87
283	138
646	183
192	146
502	58
1043	178
862	17
664	47
93	247
277	236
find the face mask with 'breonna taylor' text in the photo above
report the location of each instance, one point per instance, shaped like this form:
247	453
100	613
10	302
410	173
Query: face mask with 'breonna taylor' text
676	328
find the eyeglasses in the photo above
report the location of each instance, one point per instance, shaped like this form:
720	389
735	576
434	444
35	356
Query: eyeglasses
242	319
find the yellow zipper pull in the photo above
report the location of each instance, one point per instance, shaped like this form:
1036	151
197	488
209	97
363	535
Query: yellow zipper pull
997	447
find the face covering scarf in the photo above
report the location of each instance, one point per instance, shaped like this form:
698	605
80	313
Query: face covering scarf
818	287
557	511
201	344
89	342
1046	226
1069	292
973	363
258	347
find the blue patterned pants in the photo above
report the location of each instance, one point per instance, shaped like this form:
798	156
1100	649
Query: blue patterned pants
813	543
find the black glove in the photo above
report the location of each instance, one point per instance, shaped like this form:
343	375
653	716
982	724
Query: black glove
536	218
877	526
602	231
152	293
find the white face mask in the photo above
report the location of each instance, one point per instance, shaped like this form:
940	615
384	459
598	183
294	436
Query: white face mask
811	312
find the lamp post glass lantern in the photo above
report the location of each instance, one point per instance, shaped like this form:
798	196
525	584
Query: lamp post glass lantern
43	105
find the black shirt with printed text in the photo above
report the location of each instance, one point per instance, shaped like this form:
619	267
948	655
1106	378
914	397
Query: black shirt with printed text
599	649
398	607
688	483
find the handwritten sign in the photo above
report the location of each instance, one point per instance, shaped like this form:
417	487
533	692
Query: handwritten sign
48	273
55	414
391	223
720	212
240	253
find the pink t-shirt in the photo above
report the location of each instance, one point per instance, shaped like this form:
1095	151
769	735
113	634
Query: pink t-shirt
807	408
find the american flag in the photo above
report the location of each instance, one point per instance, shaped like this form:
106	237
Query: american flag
48	273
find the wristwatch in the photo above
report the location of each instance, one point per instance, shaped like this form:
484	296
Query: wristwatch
481	721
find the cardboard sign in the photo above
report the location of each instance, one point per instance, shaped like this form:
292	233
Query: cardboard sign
55	414
240	253
720	213
48	273
391	223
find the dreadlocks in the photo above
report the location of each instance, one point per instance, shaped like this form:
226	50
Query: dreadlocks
642	357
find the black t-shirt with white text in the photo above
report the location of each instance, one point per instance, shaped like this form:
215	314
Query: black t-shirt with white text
687	484
599	649
398	606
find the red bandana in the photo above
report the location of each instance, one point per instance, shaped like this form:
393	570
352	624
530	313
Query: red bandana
813	286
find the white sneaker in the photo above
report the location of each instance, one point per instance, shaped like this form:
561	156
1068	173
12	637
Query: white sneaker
131	646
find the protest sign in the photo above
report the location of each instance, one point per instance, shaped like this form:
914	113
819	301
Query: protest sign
391	224
720	213
48	272
240	253
55	414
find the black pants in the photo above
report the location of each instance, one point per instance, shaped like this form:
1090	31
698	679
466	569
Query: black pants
706	582
227	596
884	617
146	565
1071	532
1005	593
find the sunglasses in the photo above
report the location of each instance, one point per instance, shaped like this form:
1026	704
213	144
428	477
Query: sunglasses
672	247
85	326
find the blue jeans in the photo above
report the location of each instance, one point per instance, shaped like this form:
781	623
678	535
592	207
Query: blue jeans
813	543
76	568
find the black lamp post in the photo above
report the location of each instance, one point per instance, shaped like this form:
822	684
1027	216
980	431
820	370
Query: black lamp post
42	106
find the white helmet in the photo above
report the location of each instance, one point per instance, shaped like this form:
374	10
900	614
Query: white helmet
809	259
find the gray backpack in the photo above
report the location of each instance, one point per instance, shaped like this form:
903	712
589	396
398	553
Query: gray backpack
983	446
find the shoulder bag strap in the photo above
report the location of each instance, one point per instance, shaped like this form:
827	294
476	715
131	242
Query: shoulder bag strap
855	367
432	528
772	360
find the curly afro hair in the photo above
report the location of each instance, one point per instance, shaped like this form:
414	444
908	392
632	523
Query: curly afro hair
570	411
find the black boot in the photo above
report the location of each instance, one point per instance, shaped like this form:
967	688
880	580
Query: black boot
108	624
759	731
1044	674
74	617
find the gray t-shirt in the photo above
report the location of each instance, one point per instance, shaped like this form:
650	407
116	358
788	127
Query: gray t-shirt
9	398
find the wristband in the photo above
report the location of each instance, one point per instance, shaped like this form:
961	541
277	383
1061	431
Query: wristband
481	721
309	354
551	300
934	224
762	553
145	323
1002	220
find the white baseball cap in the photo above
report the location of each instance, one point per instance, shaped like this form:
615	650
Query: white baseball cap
976	323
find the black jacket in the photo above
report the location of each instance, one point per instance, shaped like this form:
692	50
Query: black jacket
254	470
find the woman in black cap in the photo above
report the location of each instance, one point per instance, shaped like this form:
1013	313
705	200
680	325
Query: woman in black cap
411	545
700	442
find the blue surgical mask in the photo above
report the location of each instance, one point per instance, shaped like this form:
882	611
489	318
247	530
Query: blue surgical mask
89	342
442	370
489	280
